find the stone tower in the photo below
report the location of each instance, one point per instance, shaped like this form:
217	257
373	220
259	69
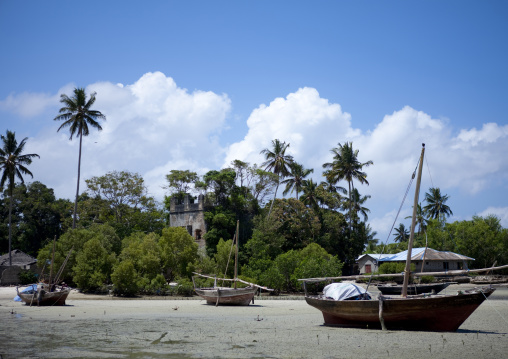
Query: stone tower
189	216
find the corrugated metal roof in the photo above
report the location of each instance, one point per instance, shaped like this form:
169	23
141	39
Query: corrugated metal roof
19	258
375	256
417	254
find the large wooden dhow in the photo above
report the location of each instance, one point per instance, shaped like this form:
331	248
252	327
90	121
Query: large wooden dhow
418	312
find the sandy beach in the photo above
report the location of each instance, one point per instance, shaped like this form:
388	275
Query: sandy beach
92	326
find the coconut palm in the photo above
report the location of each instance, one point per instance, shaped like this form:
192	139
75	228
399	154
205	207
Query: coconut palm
436	207
402	233
345	166
310	196
277	162
12	165
371	239
296	178
357	204
421	222
77	116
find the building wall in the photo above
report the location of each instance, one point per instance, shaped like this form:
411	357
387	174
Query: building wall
189	216
366	261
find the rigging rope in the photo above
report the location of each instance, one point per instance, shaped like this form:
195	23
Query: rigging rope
229	257
396	217
488	301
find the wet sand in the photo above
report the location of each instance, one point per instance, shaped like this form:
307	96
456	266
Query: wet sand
107	327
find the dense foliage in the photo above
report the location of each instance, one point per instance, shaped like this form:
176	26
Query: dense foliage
122	241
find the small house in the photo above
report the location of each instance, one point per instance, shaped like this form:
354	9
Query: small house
428	259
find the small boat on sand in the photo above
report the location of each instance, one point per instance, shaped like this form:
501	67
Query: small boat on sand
42	295
218	295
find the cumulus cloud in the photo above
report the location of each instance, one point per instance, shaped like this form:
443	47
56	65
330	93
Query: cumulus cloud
309	123
152	126
313	126
28	104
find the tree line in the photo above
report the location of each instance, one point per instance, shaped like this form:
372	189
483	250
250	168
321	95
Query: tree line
116	235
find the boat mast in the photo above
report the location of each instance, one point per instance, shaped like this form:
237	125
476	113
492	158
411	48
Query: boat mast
236	252
413	224
51	268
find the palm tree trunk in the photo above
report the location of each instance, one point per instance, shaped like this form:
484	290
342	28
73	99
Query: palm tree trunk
350	208
274	195
10	227
77	187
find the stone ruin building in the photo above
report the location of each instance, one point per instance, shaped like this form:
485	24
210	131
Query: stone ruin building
190	216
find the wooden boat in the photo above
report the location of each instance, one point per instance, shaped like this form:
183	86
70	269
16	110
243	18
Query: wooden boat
47	293
42	295
414	288
424	313
418	312
228	295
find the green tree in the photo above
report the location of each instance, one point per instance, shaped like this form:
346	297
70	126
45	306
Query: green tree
125	278
299	225
73	241
357	204
180	182
436	207
421	222
77	116
221	184
296	179
179	252
262	183
278	163
225	258
310	196
346	166
13	165
94	265
401	233
40	216
121	199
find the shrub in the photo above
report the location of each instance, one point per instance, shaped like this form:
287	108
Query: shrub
27	277
184	288
125	279
427	279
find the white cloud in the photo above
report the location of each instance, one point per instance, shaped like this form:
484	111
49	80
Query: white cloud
28	104
308	122
152	126
500	212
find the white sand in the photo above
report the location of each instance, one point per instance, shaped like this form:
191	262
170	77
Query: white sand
166	328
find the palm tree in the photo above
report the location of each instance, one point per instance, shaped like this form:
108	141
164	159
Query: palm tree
402	234
277	162
345	166
421	222
12	165
310	196
296	178
436	206
358	201
77	115
371	239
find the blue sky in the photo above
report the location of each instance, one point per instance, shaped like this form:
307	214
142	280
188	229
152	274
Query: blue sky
195	84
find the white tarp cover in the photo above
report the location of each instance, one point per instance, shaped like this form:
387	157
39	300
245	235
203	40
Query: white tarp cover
343	291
